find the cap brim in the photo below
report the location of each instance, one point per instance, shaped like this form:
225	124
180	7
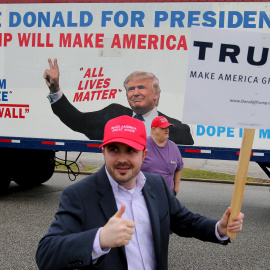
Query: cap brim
128	142
165	125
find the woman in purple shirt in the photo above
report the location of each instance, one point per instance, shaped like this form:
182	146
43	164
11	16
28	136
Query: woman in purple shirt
163	156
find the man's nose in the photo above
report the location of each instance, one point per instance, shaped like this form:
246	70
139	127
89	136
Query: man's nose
122	157
136	91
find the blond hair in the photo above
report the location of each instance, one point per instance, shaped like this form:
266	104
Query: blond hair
141	75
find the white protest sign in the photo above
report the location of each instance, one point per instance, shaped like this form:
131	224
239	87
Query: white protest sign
228	85
228	79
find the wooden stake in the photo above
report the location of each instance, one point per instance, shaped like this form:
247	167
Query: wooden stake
241	175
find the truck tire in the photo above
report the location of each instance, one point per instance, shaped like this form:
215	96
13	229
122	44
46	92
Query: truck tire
5	177
39	168
4	184
26	167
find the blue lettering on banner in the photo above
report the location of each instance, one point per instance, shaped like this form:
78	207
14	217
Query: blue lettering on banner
47	19
222	19
58	20
211	131
135	18
3	95
122	18
235	19
215	131
210	21
161	16
264	134
193	18
240	133
14	19
249	19
177	18
228	132
29	19
3	84
86	18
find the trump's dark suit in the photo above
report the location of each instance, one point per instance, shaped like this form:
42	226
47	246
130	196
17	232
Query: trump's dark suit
92	123
90	203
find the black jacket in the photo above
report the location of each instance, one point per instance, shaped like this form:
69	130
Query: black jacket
92	123
89	204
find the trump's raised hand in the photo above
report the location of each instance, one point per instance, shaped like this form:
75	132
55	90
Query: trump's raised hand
51	76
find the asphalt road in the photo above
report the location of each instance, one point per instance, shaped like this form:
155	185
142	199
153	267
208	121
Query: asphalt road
25	215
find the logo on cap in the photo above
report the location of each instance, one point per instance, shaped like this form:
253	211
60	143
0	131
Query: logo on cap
123	128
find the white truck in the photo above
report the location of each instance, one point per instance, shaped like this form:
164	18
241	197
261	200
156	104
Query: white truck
97	45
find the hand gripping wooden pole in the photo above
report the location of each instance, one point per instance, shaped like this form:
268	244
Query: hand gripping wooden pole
241	175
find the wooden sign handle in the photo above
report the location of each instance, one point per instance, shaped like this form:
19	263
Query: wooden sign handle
241	175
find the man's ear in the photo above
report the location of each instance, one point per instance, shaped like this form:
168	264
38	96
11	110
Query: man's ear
157	95
145	153
103	150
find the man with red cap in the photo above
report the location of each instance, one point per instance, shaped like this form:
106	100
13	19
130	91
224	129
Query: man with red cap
120	218
163	156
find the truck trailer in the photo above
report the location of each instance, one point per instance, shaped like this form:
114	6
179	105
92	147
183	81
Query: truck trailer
98	44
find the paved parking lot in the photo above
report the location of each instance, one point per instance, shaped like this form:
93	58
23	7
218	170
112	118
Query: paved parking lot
25	215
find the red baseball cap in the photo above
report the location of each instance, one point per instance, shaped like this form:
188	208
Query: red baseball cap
160	121
127	130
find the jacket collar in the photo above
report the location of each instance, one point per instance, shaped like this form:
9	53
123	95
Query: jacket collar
152	204
107	201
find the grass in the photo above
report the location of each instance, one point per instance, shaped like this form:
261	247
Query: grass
200	174
186	173
60	166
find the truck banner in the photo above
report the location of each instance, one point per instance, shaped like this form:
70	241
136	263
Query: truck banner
124	59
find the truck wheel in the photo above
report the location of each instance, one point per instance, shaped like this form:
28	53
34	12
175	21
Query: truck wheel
46	170
4	184
5	166
39	170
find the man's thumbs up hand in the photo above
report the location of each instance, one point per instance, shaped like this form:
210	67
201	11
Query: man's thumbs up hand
117	232
120	212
